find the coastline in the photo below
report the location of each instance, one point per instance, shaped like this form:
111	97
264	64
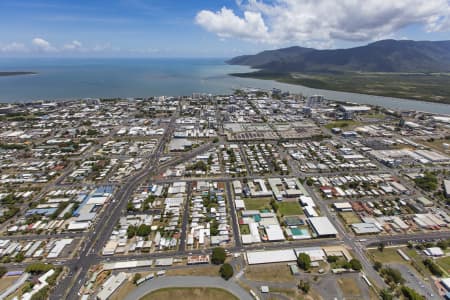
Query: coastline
354	84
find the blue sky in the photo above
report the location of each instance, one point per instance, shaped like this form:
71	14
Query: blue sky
209	28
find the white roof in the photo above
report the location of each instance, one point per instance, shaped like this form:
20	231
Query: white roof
274	233
272	256
434	251
127	264
315	253
446	283
322	226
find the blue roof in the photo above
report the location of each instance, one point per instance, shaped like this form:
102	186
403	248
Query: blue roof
41	211
104	189
76	213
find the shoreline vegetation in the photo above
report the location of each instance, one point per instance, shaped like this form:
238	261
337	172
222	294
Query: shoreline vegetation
18	73
432	87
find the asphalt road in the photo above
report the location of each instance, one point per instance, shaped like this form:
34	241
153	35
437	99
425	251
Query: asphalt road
234	225
96	238
188	282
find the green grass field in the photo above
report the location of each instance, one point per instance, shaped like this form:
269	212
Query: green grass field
289	208
257	203
190	294
444	263
386	256
244	229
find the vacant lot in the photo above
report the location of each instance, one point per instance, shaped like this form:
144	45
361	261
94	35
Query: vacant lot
347	124
7	281
350	288
257	203
437	144
190	294
289	208
350	217
269	273
206	270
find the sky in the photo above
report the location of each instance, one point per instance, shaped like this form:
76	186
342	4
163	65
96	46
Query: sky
209	28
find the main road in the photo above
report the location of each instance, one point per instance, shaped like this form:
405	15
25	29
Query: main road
70	286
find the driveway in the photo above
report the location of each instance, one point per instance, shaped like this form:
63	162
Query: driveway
188	282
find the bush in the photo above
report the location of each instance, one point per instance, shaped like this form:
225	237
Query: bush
411	294
136	277
226	271
304	286
434	268
386	295
392	275
41	295
3	271
304	261
218	256
39	267
377	266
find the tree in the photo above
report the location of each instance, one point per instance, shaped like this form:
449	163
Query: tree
136	278
226	271
143	230
304	286
131	231
218	256
377	266
332	259
130	206
304	261
355	264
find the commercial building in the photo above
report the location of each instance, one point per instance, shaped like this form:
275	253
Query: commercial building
322	227
272	256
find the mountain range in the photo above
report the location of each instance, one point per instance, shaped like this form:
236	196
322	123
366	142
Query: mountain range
382	56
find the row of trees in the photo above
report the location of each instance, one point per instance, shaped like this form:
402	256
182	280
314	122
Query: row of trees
218	258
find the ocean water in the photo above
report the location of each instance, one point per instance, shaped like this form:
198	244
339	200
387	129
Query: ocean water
60	79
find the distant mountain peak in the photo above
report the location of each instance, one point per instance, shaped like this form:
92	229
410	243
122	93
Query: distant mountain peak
381	56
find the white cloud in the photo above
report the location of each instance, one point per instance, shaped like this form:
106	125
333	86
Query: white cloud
43	45
226	24
74	45
317	22
13	47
